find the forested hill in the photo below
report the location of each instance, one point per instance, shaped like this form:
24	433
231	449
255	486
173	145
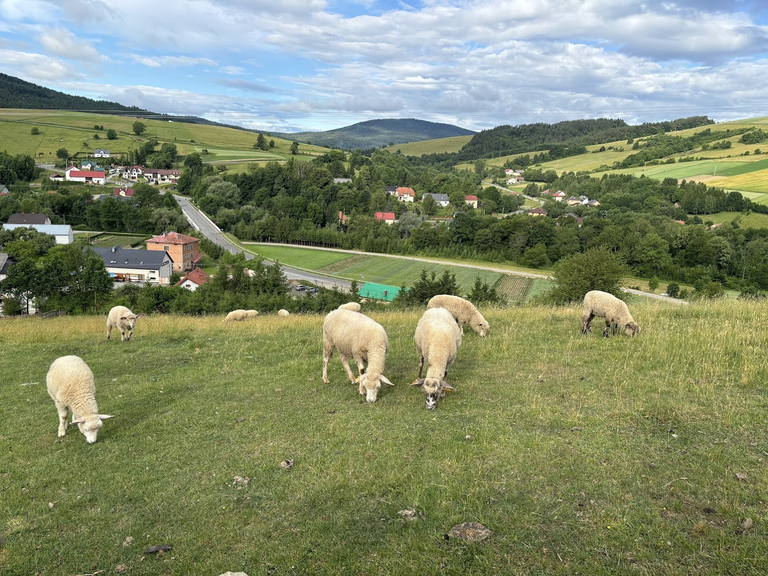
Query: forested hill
17	93
562	138
377	133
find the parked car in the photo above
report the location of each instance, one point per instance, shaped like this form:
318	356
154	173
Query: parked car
311	289
300	287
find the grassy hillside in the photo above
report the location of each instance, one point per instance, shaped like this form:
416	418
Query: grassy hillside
74	131
434	146
581	454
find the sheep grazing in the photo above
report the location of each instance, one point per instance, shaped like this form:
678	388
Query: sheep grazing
356	335
354	306
236	316
251	313
438	338
123	319
283	312
615	311
70	384
464	312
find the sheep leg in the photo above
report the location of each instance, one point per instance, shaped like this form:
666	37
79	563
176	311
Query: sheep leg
62	410
127	335
109	330
345	363
421	364
327	353
607	330
586	323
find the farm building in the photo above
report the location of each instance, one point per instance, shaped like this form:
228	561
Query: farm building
126	265
183	249
194	279
61	232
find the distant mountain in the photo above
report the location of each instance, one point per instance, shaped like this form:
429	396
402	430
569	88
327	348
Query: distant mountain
377	133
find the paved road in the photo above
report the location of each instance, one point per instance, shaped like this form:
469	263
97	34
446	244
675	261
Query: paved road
204	225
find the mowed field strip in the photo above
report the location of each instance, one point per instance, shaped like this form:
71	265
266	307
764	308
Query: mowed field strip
391	270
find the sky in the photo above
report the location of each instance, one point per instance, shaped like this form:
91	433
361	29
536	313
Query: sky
313	65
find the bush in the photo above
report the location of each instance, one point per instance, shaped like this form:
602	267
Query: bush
673	289
595	269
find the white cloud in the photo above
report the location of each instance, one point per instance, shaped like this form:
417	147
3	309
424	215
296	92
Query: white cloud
65	44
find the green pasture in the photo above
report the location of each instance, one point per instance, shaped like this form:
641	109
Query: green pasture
368	268
752	220
581	455
74	131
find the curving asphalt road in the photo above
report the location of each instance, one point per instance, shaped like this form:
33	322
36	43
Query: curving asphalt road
207	228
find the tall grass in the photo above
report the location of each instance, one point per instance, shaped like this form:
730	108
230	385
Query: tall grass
582	454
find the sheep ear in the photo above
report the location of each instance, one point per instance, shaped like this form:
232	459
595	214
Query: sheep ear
105	416
385	380
78	421
447	386
418	382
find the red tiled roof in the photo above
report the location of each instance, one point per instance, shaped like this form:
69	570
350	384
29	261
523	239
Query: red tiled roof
405	191
173	238
198	276
85	174
470	198
384	216
122	192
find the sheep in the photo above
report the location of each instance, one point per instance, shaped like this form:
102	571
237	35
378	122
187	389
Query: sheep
354	306
283	312
365	340
463	311
71	386
123	319
236	316
251	314
438	338
615	311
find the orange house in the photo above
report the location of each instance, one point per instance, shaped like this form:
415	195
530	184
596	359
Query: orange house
184	250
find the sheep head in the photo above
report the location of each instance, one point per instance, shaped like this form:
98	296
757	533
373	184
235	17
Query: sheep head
433	389
371	384
631	329
90	425
481	327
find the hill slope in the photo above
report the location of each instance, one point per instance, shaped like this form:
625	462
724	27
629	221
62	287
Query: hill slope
18	93
377	133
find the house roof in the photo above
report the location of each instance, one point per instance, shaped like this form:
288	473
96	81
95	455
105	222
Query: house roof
24	218
84	174
538	211
197	276
384	216
117	257
5	262
52	229
470	198
405	191
162	171
123	192
100	151
173	238
436	197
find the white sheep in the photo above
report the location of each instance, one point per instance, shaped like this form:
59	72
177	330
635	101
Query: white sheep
354	306
464	312
615	311
365	340
123	319
236	316
70	384
283	312
251	313
438	338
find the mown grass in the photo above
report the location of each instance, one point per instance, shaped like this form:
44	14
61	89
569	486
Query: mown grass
582	454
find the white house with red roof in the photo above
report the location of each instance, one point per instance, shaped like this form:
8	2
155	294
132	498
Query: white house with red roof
405	194
559	195
471	200
387	217
132	172
194	279
86	176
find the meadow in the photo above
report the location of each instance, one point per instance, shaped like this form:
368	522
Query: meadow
366	267
75	132
581	454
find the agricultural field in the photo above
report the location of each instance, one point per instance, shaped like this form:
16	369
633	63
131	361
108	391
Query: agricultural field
74	131
580	454
370	268
513	288
108	240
